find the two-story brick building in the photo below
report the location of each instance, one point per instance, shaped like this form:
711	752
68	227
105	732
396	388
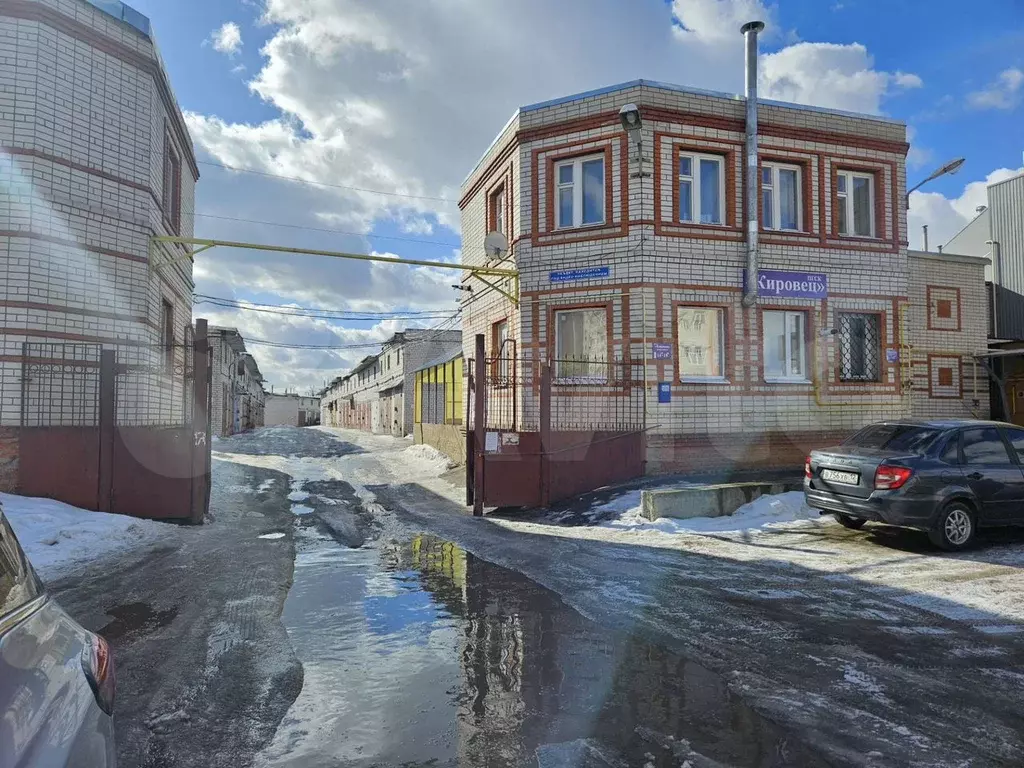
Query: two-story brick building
237	399
95	159
632	260
378	394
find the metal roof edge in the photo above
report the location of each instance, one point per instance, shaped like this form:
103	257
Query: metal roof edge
954	257
701	92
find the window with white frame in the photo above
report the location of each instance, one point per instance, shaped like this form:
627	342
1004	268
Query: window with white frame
701	189
581	345
579	192
700	341
785	345
780	197
860	346
855	203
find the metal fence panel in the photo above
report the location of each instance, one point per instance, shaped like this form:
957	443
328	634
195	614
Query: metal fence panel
60	384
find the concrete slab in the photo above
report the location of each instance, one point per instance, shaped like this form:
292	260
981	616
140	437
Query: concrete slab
707	500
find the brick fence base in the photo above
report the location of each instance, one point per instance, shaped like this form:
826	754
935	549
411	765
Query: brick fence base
736	451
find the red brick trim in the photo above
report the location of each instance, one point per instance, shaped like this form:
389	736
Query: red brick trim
73	244
876	169
550	335
883	367
953	360
736	125
810	336
481	180
555	154
29	152
43	14
10	303
37	333
29	235
728	342
802	162
928	308
727	149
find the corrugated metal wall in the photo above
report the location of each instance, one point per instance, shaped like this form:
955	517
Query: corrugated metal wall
1006	201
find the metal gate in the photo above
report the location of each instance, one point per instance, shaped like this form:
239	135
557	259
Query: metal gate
119	428
539	434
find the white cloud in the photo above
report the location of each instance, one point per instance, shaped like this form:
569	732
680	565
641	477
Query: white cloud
716	21
1005	92
947	216
830	75
227	38
919	155
403	98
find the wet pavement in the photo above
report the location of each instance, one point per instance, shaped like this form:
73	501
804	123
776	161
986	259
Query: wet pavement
339	616
415	652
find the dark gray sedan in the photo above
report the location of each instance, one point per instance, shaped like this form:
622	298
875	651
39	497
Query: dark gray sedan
946	477
56	678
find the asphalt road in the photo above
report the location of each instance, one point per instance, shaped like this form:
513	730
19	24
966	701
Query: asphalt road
405	633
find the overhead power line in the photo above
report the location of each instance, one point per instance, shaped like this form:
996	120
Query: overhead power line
319	312
324	183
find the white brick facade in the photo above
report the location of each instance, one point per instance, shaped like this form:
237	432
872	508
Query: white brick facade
377	395
85	111
656	263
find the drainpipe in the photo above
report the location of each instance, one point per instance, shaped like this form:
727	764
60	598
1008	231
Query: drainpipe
750	30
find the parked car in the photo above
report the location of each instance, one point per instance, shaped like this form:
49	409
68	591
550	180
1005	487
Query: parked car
56	678
946	477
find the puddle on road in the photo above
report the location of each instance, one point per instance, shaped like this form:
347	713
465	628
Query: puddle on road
419	653
135	618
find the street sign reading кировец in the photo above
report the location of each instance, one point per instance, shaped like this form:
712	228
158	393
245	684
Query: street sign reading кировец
791	285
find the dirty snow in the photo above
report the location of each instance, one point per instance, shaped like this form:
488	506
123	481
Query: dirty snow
427	459
298	496
266	485
274	535
58	537
765	512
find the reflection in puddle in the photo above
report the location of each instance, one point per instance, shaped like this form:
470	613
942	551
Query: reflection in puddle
418	653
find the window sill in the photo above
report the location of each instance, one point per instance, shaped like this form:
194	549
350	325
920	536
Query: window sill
704	380
860	238
784	380
718	224
581	380
580	228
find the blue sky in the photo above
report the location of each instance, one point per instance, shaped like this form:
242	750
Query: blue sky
354	92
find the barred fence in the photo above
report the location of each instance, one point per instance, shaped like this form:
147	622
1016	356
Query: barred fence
117	427
540	433
586	394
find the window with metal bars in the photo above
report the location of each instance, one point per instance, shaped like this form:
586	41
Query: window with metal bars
860	346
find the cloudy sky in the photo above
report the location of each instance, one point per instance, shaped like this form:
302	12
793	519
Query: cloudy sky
375	110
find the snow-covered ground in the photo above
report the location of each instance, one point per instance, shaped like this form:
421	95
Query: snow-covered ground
382	460
58	537
776	511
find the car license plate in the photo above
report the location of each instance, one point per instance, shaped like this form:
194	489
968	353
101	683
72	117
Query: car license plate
835	476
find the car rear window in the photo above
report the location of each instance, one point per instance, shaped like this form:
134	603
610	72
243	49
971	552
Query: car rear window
905	438
18	582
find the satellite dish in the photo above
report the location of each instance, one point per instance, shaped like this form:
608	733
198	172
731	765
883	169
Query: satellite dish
496	244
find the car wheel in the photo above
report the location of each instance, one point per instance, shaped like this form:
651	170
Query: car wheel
955	528
853	523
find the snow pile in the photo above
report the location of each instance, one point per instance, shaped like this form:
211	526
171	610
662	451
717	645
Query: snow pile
426	459
57	536
765	512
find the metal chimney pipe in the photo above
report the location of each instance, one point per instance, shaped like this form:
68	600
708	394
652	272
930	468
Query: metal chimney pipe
750	30
924	227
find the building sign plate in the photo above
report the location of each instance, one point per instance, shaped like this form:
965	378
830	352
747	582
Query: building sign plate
791	285
664	391
569	275
661	351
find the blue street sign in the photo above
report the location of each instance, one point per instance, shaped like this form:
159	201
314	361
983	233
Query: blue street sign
569	275
664	391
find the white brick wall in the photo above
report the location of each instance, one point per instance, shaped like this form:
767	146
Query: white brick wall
81	166
655	262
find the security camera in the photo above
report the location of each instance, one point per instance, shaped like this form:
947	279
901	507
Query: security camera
630	117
